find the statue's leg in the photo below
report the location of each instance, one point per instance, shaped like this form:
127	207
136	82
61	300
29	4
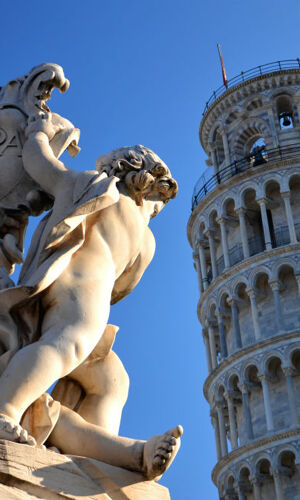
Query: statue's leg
72	325
74	436
106	385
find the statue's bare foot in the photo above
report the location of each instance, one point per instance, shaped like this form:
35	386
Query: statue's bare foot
12	431
160	451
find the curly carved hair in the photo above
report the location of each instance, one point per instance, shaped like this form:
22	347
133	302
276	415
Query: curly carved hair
141	170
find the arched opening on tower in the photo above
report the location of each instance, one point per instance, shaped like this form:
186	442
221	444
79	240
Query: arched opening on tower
289	472
265	305
260	142
233	232
205	260
278	391
222	402
295	362
216	236
245	485
284	110
273	367
294	185
287	460
229	489
263	470
225	311
219	148
213	322
277	222
237	398
295	359
252	143
258	154
289	297
244	312
256	401
253	220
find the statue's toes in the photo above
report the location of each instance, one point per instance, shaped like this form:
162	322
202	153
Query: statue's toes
32	442
160	452
158	462
26	438
23	436
10	427
176	432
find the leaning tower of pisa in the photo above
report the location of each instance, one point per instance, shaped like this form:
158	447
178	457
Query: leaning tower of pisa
245	234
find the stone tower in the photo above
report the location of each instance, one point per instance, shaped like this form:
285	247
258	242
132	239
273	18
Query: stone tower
245	233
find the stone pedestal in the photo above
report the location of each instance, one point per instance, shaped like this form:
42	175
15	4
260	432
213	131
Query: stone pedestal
28	473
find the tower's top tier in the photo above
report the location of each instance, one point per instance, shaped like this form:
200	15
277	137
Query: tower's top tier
227	103
254	118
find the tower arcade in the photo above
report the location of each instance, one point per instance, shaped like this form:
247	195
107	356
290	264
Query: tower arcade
245	234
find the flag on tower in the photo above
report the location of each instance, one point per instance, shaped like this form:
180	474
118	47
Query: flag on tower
225	81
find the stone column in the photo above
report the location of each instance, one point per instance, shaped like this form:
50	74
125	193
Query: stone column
256	487
207	350
232	421
215	424
267	401
289	216
275	289
226	147
277	484
210	234
221	221
241	494
212	343
273	128
254	312
243	228
264	217
222	335
202	264
297	276
214	162
235	323
246	410
198	270
288	372
223	439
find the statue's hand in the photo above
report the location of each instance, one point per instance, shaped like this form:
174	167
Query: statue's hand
42	122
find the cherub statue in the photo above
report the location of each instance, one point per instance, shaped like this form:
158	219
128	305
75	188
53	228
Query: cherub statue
89	252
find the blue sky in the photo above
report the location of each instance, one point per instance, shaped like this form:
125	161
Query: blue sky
141	72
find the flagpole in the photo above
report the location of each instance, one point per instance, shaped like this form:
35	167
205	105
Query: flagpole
225	81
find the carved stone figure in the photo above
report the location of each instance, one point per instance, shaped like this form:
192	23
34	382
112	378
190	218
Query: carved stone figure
20	196
87	253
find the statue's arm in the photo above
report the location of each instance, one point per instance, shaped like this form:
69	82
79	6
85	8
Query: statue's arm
132	275
41	164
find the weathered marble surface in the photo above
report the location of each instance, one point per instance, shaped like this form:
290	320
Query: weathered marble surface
30	473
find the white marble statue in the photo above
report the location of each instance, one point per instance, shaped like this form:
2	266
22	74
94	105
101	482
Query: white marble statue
87	253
